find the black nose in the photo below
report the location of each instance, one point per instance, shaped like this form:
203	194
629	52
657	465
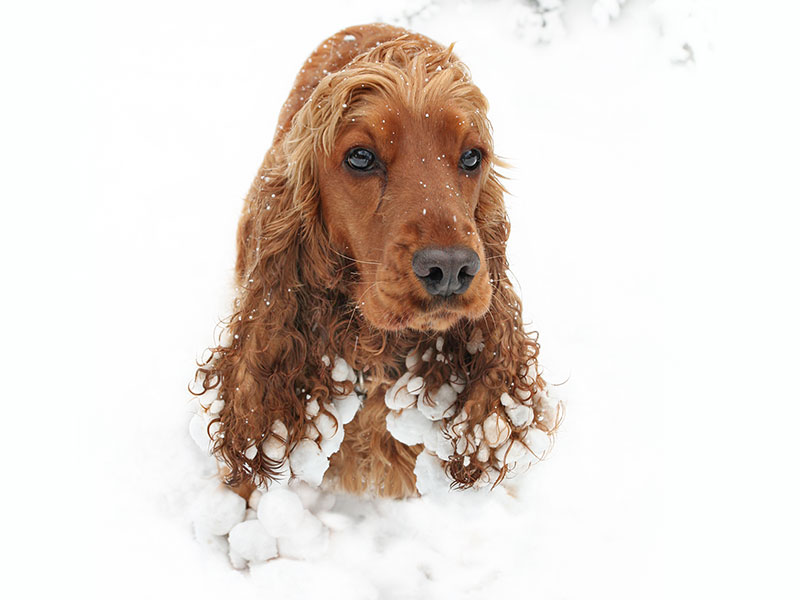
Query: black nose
445	271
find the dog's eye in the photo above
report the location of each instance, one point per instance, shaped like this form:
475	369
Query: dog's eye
470	160
360	159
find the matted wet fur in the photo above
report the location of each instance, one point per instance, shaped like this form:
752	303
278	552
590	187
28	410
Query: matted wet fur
324	261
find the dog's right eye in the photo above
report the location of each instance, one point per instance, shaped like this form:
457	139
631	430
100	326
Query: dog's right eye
360	159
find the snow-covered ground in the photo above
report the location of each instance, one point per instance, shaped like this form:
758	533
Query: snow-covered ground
654	239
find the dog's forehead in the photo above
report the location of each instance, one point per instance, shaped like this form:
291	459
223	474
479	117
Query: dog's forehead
427	128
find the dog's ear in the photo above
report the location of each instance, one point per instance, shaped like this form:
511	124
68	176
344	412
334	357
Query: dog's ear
497	359
267	371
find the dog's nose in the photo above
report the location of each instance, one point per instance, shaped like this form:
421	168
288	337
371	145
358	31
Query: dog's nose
445	271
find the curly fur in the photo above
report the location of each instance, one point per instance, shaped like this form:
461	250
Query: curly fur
306	289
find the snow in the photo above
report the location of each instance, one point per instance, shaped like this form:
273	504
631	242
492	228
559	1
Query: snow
408	426
217	509
308	462
653	239
280	511
251	542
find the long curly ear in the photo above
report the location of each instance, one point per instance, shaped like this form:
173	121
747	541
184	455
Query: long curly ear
505	399
266	373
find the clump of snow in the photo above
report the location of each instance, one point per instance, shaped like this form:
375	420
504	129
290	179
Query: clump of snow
250	541
308	539
308	462
347	406
280	511
419	416
408	426
605	11
440	405
342	371
431	478
217	509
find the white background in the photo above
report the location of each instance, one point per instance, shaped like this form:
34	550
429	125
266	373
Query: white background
654	238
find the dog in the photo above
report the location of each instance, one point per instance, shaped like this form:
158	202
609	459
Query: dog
375	335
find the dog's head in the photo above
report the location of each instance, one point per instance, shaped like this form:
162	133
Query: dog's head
404	167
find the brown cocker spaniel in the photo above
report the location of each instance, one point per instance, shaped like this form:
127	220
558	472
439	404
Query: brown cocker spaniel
375	334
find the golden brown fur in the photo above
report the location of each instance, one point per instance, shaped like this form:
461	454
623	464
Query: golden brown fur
323	260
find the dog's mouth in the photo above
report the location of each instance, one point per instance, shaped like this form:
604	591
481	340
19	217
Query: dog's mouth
400	309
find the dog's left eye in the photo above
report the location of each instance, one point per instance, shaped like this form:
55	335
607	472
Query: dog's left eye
470	160
360	159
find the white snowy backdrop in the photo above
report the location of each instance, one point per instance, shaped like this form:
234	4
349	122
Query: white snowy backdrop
654	238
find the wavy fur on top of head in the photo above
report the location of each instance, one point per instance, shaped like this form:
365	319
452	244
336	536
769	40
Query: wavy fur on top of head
304	292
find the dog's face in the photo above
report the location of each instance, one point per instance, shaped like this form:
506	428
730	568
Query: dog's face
399	194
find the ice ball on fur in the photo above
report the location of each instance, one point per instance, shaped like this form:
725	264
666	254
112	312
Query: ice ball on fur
347	406
308	462
408	427
440	403
331	430
496	430
430	474
198	430
520	415
397	397
342	371
538	441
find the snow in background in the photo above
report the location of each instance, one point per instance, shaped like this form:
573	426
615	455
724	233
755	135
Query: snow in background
654	238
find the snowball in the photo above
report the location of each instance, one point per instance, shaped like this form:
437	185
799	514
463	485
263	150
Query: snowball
412	360
484	452
251	452
254	499
435	441
326	360
520	415
426	356
415	385
538	441
250	541
312	408
307	494
516	455
496	430
217	543
408	427
280	511
308	462
431	476
458	383
279	429
442	401
439	343
237	562
331	431
347	407
311	432
308	540
342	371
274	449
506	400
216	407
397	397
199	432
217	509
